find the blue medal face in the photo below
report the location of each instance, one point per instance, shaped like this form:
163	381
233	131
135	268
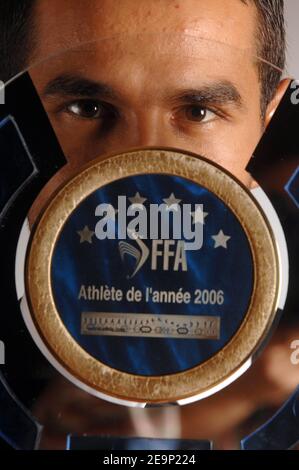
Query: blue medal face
138	293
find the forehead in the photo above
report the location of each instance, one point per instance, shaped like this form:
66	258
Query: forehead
61	24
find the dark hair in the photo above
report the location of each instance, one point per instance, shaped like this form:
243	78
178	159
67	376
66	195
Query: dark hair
17	40
271	45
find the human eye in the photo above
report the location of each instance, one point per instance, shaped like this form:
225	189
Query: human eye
90	109
199	113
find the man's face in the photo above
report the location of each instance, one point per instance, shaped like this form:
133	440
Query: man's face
173	73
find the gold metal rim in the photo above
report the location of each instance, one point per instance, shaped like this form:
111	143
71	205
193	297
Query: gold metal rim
167	388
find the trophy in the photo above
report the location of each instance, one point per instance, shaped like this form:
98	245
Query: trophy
149	276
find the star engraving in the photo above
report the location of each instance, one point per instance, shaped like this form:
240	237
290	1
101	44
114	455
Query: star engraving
221	240
172	202
137	200
199	216
86	235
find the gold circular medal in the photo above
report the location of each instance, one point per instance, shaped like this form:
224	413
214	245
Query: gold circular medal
142	320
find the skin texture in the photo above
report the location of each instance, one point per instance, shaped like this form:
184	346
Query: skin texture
158	52
154	81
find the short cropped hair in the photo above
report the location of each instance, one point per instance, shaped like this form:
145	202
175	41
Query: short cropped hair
17	40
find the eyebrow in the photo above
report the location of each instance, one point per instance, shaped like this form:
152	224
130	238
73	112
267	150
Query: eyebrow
76	85
221	92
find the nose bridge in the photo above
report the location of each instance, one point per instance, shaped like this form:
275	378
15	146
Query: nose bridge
147	119
147	114
151	124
